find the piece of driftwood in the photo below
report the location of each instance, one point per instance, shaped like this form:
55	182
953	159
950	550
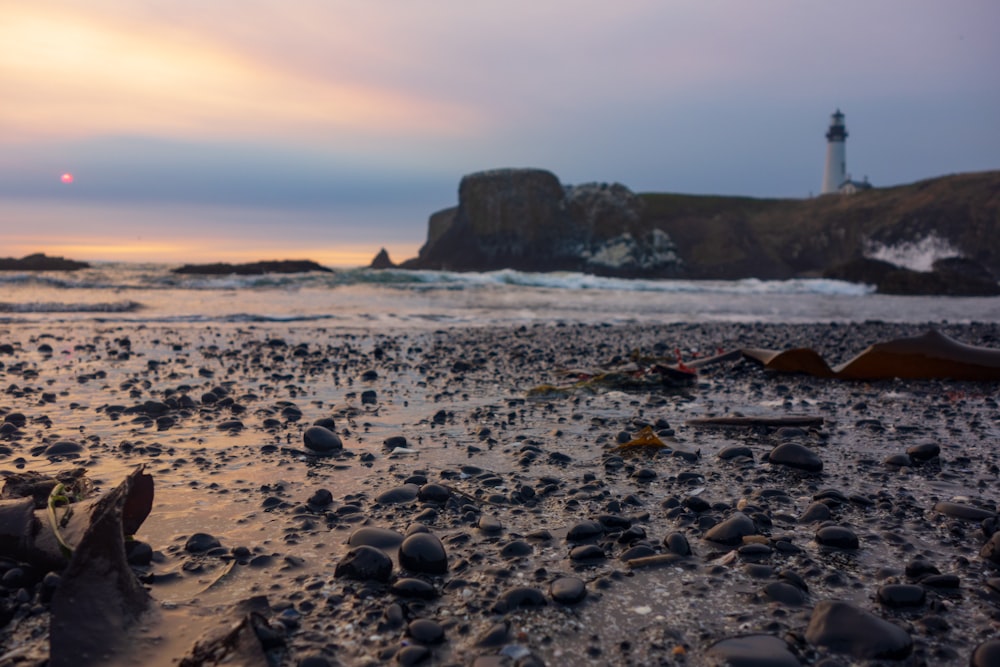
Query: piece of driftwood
750	422
99	599
929	356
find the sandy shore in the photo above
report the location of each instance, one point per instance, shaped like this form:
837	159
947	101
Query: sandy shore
558	548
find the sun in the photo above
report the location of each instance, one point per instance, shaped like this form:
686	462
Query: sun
66	178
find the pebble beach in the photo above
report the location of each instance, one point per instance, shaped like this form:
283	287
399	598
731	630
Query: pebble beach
458	496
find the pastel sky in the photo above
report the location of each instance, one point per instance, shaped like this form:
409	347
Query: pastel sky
231	131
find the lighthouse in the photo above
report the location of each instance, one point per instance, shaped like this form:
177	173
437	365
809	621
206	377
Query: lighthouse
835	172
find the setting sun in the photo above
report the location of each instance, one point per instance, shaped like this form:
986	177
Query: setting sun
66	178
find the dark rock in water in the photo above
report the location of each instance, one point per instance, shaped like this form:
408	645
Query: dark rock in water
434	493
380	538
838	537
516	549
408	587
751	651
901	595
400	494
322	440
519	598
924	451
201	542
785	593
986	654
991	550
41	262
63	448
320	498
797	456
676	543
585	530
843	628
731	531
586	553
568	590
963	511
382	261
252	268
424	553
365	563
425	631
951	277
815	513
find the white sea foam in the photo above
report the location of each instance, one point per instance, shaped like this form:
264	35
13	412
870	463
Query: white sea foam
917	255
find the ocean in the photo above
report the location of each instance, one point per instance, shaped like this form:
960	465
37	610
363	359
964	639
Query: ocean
362	298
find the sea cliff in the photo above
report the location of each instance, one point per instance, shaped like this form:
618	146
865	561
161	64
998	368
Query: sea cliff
526	219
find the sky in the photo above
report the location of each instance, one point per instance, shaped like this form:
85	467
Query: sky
327	129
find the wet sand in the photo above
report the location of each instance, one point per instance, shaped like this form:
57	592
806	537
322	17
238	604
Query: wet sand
547	528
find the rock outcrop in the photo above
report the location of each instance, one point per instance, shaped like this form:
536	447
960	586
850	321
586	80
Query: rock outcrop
526	219
40	262
382	261
252	268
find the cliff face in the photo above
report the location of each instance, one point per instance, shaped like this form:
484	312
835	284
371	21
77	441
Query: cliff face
525	219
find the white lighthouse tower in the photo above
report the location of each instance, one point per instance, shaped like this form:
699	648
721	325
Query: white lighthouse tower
835	172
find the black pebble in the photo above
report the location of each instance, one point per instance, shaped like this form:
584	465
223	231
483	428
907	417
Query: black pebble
365	563
568	590
423	552
797	456
901	595
838	537
425	631
200	542
322	440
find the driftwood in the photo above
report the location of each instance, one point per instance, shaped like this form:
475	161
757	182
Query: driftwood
926	357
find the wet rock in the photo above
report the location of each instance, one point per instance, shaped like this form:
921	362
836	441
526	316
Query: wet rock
425	631
408	587
817	512
735	451
516	549
991	550
424	553
963	511
731	531
843	628
489	524
400	494
201	542
676	543
751	651
838	537
586	553
986	654
413	655
63	448
568	590
924	451
320	498
433	493
898	460
365	563
321	440
372	536
797	456
520	598
787	594
585	530
901	595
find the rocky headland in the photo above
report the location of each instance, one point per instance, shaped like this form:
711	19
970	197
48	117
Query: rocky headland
526	219
40	262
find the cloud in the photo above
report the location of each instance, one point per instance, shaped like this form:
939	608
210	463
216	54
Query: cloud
66	73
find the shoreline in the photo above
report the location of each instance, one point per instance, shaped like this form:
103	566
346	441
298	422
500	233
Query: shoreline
460	398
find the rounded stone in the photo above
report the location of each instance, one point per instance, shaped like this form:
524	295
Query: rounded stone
731	531
986	654
924	451
201	542
516	549
568	590
425	631
585	530
586	552
751	651
991	550
794	455
785	593
423	552
400	494
837	537
372	536
963	511
489	524
676	543
63	448
322	440
320	498
520	597
817	512
901	595
843	628
409	587
433	493
365	563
